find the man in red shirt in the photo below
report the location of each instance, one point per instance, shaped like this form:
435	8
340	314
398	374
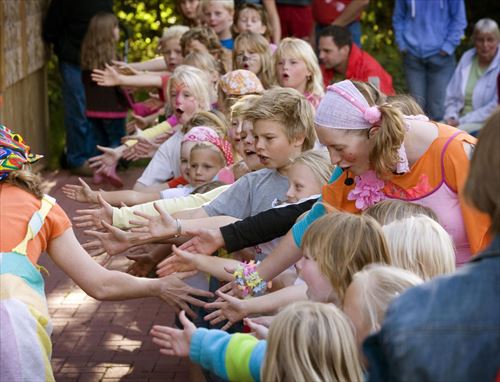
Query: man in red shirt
340	59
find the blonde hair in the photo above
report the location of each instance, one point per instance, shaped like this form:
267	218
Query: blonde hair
203	61
211	147
483	182
256	43
421	245
301	50
243	105
378	285
227	4
310	341
289	108
388	210
318	162
26	180
99	43
173	32
384	154
196	81
342	244
406	104
213	119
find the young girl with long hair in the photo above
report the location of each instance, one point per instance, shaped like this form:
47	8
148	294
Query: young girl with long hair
106	107
296	66
188	91
251	52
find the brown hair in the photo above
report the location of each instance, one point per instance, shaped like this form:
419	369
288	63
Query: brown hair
483	183
289	108
255	43
342	244
264	18
190	23
99	44
27	180
388	210
389	138
207	37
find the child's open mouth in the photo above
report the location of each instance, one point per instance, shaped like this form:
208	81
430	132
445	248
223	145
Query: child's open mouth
179	112
249	152
263	159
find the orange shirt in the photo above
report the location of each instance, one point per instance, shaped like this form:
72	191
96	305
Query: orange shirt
16	209
445	161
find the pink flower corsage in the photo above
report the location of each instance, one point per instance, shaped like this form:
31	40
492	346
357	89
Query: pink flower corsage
367	191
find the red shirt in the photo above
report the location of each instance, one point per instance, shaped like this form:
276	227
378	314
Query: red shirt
362	67
326	11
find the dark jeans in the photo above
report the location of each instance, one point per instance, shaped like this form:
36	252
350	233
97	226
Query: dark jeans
427	79
108	132
79	137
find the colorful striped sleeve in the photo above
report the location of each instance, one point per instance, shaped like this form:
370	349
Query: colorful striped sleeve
236	357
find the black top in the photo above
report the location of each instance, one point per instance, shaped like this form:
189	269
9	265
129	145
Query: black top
106	99
66	24
264	226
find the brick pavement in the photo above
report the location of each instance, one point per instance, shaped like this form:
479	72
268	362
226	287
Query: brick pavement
104	341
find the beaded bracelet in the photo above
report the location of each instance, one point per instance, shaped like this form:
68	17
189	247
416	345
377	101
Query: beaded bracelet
248	279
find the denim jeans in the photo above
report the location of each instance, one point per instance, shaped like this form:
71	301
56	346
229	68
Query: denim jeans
427	79
79	137
108	132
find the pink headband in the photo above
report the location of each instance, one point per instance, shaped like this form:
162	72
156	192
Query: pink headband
344	107
206	134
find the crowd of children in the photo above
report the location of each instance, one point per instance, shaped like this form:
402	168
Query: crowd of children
301	210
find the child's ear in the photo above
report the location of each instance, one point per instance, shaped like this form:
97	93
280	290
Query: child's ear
299	141
262	29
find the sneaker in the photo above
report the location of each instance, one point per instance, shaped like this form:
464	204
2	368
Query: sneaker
83	170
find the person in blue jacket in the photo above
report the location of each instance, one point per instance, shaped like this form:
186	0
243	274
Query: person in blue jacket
427	33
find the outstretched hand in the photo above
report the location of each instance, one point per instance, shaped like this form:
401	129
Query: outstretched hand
113	242
227	308
259	330
93	218
174	341
107	161
106	77
203	240
178	294
180	261
82	193
161	226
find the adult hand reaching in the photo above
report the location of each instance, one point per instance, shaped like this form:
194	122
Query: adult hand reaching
174	341
178	294
93	218
82	193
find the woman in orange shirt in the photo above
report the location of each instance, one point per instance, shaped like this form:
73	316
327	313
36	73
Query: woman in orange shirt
31	223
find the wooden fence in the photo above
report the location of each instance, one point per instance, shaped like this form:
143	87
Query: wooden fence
23	77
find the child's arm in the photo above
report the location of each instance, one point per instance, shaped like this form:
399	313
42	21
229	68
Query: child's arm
110	77
237	357
234	309
215	266
85	194
155	64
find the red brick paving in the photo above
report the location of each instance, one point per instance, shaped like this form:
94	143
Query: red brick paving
104	341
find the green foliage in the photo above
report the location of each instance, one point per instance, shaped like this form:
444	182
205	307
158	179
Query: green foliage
145	21
378	39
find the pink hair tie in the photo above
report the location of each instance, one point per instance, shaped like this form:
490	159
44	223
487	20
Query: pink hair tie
372	114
